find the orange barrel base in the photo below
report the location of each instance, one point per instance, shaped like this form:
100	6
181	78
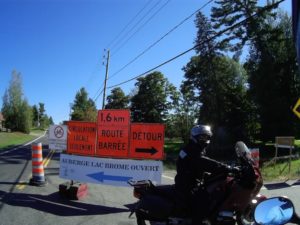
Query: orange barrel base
36	182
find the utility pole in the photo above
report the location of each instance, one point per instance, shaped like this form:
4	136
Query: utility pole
105	80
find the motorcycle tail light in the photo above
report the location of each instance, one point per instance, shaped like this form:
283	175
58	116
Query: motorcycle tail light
136	194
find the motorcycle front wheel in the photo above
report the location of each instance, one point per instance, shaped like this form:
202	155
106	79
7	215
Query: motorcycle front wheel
243	219
141	221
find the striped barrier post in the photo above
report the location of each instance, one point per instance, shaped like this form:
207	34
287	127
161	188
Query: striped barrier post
38	175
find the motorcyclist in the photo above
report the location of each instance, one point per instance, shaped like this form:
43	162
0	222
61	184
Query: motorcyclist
191	165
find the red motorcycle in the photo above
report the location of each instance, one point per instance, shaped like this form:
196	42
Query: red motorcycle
233	197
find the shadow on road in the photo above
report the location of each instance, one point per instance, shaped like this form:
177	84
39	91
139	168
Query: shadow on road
54	204
280	185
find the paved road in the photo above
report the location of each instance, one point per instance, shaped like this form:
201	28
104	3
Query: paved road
23	204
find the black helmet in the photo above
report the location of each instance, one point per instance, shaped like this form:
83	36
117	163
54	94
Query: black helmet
201	134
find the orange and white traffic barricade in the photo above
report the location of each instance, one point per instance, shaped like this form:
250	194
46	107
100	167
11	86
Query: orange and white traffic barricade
38	175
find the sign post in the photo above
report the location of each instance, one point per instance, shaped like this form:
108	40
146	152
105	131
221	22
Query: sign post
284	142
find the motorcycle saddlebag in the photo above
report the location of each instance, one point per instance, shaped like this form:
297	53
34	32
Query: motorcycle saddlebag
153	207
73	190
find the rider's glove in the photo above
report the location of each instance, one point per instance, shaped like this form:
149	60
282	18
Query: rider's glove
234	170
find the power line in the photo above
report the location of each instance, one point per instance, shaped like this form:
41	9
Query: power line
160	39
269	7
93	73
97	96
139	28
136	24
127	25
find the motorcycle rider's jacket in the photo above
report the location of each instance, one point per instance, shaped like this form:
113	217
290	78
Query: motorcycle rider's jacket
191	165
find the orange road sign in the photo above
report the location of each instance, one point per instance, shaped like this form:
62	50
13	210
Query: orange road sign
113	133
146	141
81	137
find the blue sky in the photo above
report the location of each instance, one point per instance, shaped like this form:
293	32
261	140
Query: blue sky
58	45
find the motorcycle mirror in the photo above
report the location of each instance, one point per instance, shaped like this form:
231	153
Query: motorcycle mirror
274	211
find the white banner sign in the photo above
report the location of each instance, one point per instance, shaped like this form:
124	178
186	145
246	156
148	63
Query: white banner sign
58	137
108	171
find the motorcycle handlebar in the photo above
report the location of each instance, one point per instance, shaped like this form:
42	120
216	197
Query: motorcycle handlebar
295	219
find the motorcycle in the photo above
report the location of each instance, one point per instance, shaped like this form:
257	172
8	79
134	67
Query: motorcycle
276	211
231	199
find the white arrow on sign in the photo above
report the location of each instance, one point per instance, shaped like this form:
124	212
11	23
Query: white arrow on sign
108	171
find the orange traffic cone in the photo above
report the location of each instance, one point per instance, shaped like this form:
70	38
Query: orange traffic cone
38	175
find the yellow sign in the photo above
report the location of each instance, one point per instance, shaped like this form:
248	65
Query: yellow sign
296	108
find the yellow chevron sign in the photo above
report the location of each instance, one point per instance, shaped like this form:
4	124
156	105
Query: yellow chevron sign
296	108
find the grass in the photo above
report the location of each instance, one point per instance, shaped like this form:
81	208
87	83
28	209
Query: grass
8	140
171	149
280	171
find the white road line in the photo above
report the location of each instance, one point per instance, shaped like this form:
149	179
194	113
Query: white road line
168	177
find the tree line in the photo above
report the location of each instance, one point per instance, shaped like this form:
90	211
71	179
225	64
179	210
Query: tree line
244	82
18	114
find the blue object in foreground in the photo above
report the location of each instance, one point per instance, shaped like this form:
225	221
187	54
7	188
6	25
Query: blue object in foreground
101	177
274	211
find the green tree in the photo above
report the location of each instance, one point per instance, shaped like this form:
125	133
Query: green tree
51	121
117	99
186	112
39	117
227	13
25	117
15	107
42	116
83	108
274	81
35	116
149	104
218	84
271	63
221	93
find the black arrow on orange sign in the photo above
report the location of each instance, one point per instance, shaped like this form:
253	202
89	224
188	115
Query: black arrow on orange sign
151	151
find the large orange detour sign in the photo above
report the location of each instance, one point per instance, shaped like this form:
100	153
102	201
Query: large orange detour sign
146	141
114	136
